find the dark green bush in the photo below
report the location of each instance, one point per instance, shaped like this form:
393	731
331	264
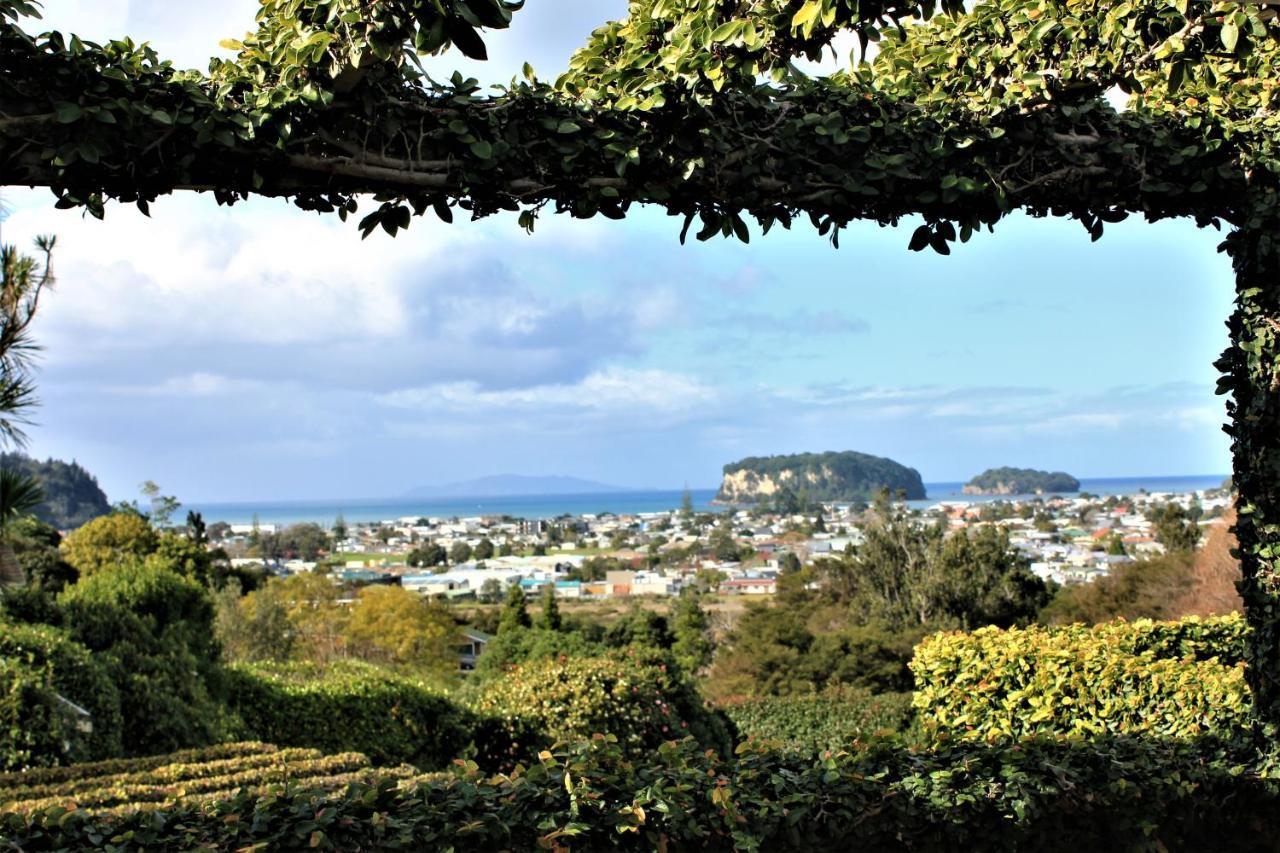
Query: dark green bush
832	720
1114	794
1139	678
349	707
168	696
38	664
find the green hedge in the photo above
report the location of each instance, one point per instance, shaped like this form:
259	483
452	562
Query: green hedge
1220	637
1077	680
832	721
634	695
37	665
1114	794
349	706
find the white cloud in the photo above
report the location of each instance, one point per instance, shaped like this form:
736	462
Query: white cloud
612	391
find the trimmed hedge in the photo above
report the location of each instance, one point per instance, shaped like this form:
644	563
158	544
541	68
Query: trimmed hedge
53	775
349	706
37	665
1119	678
833	720
110	787
1114	794
633	695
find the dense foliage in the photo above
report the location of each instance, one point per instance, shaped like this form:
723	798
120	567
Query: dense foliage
1021	481
349	707
1169	680
833	721
831	476
41	670
635	696
853	620
72	495
1111	794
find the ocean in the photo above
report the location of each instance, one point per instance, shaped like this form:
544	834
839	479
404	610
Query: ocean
549	506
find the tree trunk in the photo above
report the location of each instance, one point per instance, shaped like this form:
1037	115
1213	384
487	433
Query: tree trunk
11	574
1251	368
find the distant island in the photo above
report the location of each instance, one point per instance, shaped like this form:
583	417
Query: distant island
1020	481
508	485
72	495
831	476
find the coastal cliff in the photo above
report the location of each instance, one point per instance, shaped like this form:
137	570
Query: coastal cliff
831	476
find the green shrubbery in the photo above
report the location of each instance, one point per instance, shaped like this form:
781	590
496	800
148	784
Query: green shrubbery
349	706
38	665
1113	794
634	695
1173	680
826	721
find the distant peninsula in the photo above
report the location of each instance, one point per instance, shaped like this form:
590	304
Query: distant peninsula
831	476
509	485
1020	481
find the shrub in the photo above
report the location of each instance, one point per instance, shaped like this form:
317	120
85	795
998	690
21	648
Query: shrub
1116	794
169	686
349	706
108	541
824	721
522	645
634	695
1136	679
37	666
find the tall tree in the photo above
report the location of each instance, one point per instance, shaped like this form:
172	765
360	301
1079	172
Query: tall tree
515	615
692	645
549	617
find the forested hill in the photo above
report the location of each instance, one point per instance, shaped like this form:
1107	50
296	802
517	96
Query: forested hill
72	495
1020	481
830	476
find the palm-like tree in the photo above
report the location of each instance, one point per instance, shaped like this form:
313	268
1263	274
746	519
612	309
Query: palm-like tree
19	496
24	279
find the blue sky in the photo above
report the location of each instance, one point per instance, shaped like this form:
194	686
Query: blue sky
265	353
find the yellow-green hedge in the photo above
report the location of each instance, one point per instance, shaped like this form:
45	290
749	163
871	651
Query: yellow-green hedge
1140	678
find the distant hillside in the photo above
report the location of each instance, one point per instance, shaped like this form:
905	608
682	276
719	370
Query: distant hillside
1021	481
507	485
828	476
72	495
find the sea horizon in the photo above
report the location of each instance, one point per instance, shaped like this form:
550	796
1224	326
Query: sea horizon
363	510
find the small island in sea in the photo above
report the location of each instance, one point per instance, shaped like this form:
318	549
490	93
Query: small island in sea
1020	481
831	476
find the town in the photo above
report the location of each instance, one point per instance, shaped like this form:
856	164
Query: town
1065	539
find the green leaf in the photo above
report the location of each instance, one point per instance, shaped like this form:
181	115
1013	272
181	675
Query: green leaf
67	112
567	127
1230	36
806	15
482	149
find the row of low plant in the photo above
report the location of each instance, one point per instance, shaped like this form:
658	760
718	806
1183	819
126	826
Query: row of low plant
833	720
172	772
1112	793
1141	679
179	779
111	766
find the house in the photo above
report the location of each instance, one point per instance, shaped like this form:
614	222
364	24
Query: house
750	586
471	647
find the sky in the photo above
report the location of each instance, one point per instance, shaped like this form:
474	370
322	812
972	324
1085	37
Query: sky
265	353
